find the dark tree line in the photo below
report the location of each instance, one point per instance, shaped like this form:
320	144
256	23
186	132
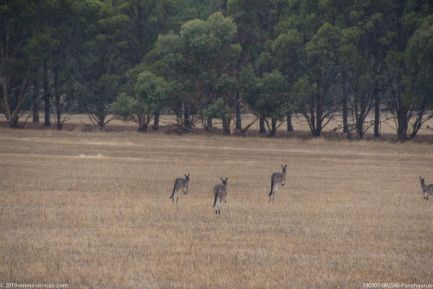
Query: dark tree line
208	59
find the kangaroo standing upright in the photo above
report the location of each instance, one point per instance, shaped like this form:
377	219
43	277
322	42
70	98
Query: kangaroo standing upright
277	179
426	189
180	185
220	193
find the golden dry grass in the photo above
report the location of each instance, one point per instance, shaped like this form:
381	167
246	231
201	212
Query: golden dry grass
92	210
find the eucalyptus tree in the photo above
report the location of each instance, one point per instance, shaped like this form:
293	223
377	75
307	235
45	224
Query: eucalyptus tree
53	54
304	47
63	22
209	51
366	38
404	101
165	59
266	95
255	20
144	20
16	31
288	57
149	93
103	64
362	63
314	90
419	63
200	61
271	103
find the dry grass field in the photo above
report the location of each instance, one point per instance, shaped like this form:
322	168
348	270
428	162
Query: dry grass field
93	210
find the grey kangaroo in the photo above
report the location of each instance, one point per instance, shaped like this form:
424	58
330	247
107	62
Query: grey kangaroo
180	185
426	189
220	193
277	179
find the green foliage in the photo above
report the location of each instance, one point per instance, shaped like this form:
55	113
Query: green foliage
217	109
151	90
303	90
323	46
275	56
362	51
273	91
419	60
267	95
128	107
150	93
249	88
288	54
199	59
256	21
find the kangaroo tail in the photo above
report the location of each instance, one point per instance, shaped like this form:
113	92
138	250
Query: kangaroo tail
272	187
174	190
215	200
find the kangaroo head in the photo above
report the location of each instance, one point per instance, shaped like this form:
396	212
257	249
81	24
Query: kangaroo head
187	177
284	168
421	180
224	181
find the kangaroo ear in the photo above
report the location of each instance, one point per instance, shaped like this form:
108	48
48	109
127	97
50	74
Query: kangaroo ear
221	179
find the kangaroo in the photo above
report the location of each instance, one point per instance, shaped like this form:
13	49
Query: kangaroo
220	193
277	179
426	189
180	185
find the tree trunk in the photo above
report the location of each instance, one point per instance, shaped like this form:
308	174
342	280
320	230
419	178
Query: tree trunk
209	123
47	104
12	106
35	98
187	116
99	115
376	115
273	131
57	103
419	119
238	113
226	125
345	107
142	124
156	116
13	110
317	117
402	125
13	121
417	125
262	128
289	123
360	127
317	128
